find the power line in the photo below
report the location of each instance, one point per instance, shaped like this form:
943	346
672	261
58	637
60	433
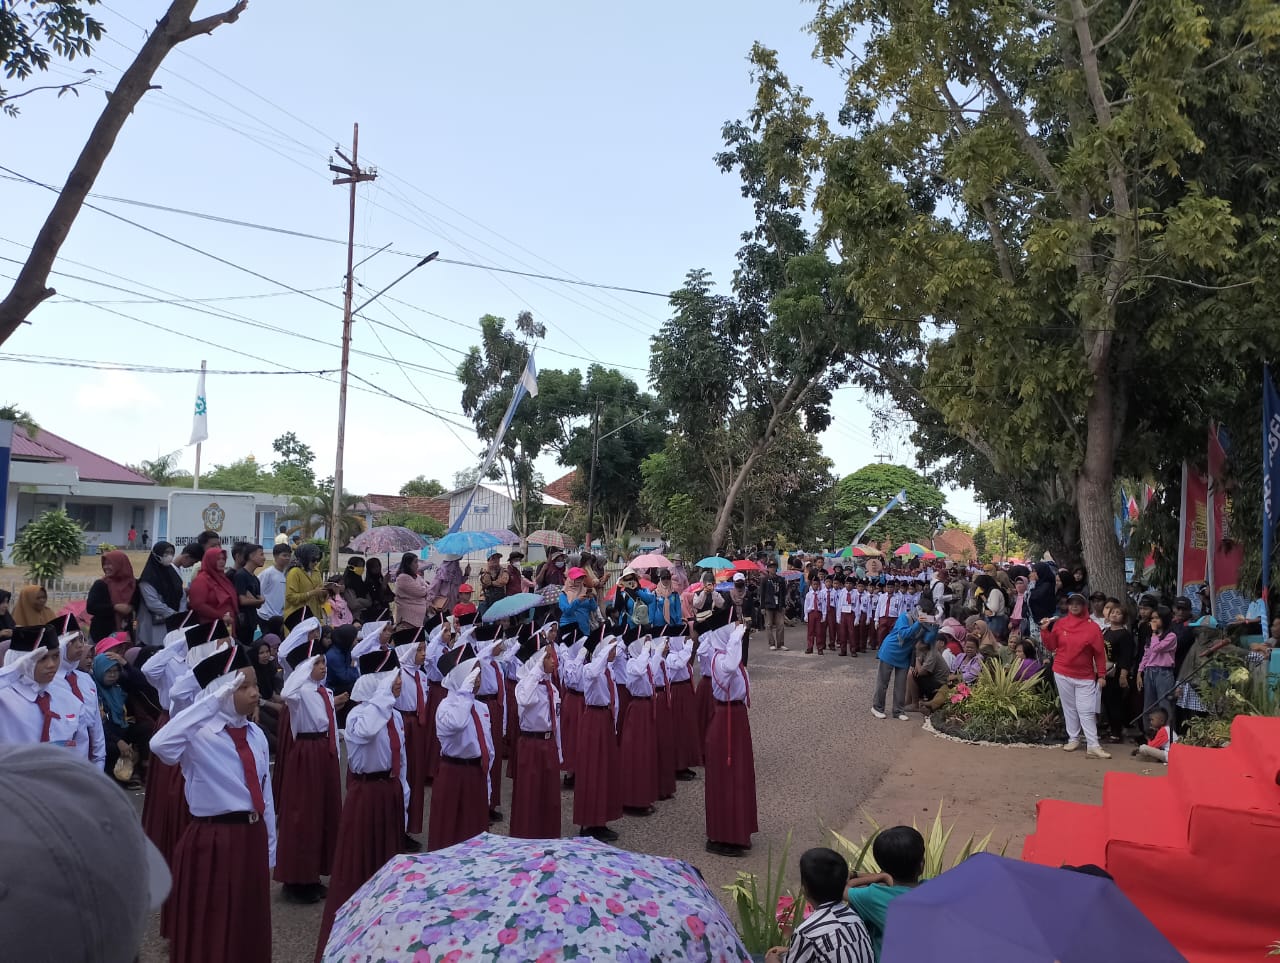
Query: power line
55	362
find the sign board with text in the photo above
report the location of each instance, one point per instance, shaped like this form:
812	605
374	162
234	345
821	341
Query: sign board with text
233	516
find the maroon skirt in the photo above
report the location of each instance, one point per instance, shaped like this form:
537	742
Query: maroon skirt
706	709
572	704
169	817
435	696
369	833
666	746
415	749
624	700
684	724
494	704
730	792
639	754
535	796
221	897
284	742
513	728
307	824
459	803
596	798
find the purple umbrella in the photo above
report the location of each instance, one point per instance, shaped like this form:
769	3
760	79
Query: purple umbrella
387	538
993	908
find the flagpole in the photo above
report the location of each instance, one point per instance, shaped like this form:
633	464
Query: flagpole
195	484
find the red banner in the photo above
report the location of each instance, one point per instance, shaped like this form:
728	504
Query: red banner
1228	554
1193	540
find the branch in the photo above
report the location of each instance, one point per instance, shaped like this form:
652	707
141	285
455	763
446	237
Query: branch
1115	31
210	24
62	88
1197	284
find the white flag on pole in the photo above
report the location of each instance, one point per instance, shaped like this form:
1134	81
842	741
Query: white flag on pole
529	378
200	422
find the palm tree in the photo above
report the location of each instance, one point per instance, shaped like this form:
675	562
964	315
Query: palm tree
20	417
311	514
163	470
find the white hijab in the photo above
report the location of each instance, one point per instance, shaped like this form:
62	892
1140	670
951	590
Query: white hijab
462	677
296	638
20	670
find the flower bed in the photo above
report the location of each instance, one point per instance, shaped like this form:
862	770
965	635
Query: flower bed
1000	708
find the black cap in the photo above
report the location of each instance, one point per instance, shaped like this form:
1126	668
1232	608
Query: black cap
380	661
1182	602
27	637
467	619
406	635
300	653
515	556
449	661
297	616
179	620
486	632
208	632
219	664
493	556
64	623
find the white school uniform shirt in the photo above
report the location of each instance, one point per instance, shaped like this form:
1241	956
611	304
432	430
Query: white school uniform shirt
658	666
94	746
844	597
456	728
571	659
704	653
21	721
729	680
599	686
815	601
883	601
862	606
368	742
640	678
196	739
164	669
538	701
677	659
492	677
413	677
308	711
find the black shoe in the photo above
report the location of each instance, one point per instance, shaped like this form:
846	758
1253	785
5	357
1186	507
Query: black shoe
321	891
567	782
639	810
301	893
684	775
725	849
495	815
411	845
602	833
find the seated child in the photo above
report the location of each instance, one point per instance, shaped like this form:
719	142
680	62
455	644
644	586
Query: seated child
1160	738
833	931
899	852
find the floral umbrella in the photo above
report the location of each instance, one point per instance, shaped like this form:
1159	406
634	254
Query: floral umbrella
387	538
521	900
549	539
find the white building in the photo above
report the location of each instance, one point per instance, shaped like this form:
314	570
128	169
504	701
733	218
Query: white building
495	506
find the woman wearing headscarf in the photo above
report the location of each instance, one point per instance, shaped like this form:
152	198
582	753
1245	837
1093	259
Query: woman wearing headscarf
303	582
377	591
112	599
551	572
262	658
125	737
1042	599
355	590
992	604
211	596
577	603
411	592
449	578
161	595
7	623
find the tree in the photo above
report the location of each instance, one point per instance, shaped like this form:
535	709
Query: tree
49	544
422	487
860	495
163	470
422	524
312	514
241	475
465	478
20	417
64	25
1039	180
293	470
71	33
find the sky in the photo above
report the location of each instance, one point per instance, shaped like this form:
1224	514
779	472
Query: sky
573	140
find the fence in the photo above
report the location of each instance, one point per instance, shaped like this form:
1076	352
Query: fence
61	590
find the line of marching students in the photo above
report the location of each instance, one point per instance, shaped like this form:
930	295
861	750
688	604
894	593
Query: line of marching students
612	712
850	615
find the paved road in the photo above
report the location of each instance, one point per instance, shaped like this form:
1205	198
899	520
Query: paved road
819	753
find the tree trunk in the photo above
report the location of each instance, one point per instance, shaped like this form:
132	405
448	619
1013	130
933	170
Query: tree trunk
731	497
1094	503
29	289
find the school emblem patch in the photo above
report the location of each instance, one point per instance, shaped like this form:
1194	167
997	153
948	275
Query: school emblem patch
213	516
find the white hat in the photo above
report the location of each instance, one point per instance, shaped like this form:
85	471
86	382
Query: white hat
72	850
739	577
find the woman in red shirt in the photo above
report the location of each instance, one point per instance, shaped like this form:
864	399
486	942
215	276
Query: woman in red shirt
1080	670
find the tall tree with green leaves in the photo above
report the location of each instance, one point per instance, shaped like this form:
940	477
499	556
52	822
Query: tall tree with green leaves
860	495
422	487
294	468
1026	193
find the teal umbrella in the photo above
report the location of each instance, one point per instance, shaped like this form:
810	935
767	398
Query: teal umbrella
511	605
715	562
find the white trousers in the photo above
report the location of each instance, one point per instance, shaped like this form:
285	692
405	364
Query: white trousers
1079	707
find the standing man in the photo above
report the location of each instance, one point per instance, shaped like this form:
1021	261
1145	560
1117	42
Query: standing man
249	559
493	581
133	537
773	602
282	535
146	539
271	588
515	580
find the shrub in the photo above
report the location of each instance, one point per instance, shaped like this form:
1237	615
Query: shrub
104	547
937	847
422	524
49	544
1001	708
766	919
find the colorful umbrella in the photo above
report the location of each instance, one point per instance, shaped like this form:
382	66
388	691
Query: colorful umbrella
650	560
550	539
910	548
463	543
387	538
518	900
504	536
504	608
746	565
791	575
715	563
969	906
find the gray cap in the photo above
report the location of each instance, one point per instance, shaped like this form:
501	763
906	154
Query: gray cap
72	851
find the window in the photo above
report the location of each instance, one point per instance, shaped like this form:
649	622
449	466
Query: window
92	518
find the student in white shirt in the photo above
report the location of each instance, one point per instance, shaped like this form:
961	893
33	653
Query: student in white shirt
815	616
684	707
411	649
372	825
460	793
596	795
73	646
730	791
272	581
35	704
535	792
221	901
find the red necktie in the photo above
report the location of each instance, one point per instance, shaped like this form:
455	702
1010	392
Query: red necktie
42	700
333	721
653	691
484	746
502	693
394	737
551	708
240	736
422	698
75	685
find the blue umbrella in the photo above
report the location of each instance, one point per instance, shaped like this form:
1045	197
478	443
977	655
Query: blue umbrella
511	605
460	543
715	563
993	908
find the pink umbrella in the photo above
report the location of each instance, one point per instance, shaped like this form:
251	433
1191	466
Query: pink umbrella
550	539
650	560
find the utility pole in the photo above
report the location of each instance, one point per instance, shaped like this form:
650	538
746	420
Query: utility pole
352	175
591	480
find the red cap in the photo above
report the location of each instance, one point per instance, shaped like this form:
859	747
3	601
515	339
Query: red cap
463	608
464	589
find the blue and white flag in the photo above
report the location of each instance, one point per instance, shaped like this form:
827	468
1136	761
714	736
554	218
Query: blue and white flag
1270	471
200	419
894	502
527	386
